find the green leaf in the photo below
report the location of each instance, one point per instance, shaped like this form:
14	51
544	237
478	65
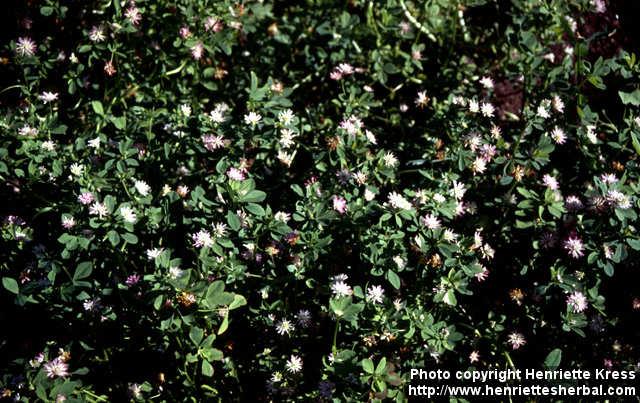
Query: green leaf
450	298
83	270
255	209
632	98
367	365
238	301
46	11
196	334
233	220
10	284
130	238
635	143
97	107
224	326
382	365
114	237
119	122
553	359
634	243
216	296
254	196
394	279
207	368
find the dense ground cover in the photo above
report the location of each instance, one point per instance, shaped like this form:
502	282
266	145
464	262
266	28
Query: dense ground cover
304	200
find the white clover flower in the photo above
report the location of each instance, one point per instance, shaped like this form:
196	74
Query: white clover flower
68	222
574	247
76	169
185	110
371	137
294	364
286	138
577	302
457	190
48	145
487	109
276	377
202	239
360	177
375	294
128	214
217	114
142	187
97	34
56	368
94	143
154	253
197	51
341	289
175	272
449	236
48	97
479	165
431	221
286	117
399	202
252	118
422	98
98	209
542	111
438	198
220	230
558	135
474	106
369	195
516	340
28	131
390	160
557	104
285	327
486	82
25	47
591	134
282	216
286	158
550	182
399	261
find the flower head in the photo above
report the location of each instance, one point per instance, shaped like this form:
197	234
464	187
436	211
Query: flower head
303	317
516	340
284	327
375	294
212	142
202	239
197	50
47	97
25	47
252	118
558	135
142	187
128	214
574	247
56	368
97	34
341	289
397	201
133	15
340	204
98	209
236	174
577	302
294	364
